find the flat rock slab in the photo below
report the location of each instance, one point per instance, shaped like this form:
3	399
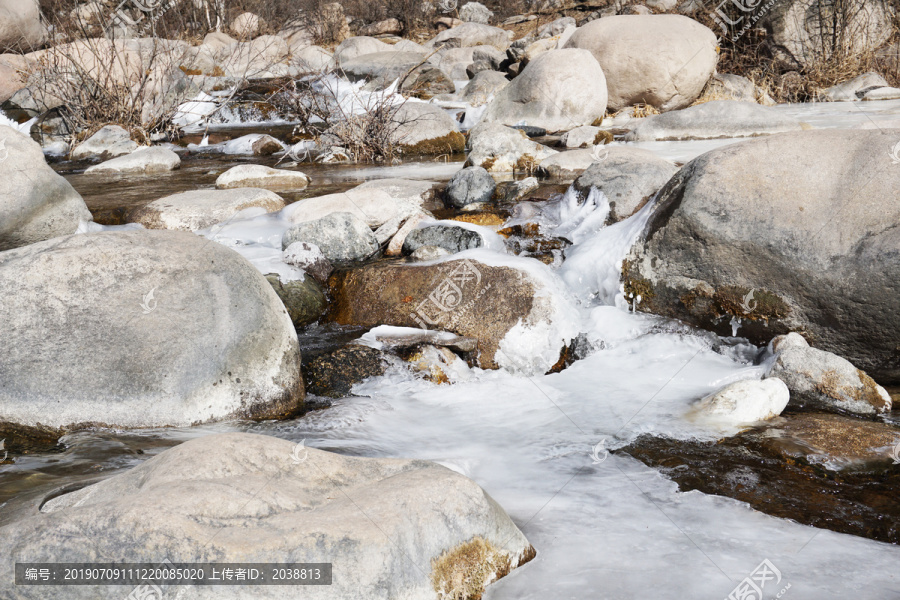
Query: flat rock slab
261	176
395	528
711	120
199	209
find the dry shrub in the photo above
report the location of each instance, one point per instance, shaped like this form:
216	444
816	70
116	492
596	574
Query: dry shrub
367	134
837	57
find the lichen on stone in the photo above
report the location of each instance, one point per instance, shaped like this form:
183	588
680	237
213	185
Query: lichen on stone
463	572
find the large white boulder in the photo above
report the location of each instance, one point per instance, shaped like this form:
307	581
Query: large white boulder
199	209
660	60
392	528
789	232
501	149
35	203
559	90
141	329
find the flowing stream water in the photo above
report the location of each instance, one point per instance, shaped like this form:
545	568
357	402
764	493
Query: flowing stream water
604	525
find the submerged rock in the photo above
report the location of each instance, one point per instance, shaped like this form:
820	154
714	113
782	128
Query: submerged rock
147	160
35	202
520	317
825	471
342	237
715	119
142	329
825	381
738	237
411	528
559	90
199	209
835	442
628	50
334	374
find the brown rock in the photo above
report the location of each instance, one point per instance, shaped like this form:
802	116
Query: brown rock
817	438
266	146
462	296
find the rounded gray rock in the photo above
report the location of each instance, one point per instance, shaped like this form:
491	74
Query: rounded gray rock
470	186
35	202
450	238
342	237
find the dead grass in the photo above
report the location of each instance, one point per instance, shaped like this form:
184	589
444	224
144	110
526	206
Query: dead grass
463	572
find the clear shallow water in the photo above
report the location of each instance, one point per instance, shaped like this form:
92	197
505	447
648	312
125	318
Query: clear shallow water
604	525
